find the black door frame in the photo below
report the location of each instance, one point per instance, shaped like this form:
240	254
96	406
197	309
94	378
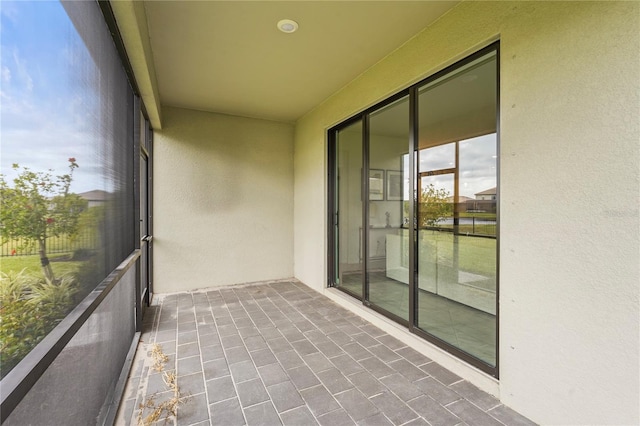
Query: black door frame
144	237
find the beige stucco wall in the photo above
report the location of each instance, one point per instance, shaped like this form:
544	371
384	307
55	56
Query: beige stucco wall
223	189
569	178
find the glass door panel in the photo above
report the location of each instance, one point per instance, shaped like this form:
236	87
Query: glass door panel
457	187
388	235
348	250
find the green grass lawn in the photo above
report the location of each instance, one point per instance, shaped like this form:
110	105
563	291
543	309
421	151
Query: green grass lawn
483	215
479	229
31	264
475	254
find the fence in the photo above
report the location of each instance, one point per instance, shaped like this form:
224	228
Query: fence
85	239
482	227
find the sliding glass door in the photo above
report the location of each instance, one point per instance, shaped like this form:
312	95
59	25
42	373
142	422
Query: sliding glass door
457	181
387	266
414	208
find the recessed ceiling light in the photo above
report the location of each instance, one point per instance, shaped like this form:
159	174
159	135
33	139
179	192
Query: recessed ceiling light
287	26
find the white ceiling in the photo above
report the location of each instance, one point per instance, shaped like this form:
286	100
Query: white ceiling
229	57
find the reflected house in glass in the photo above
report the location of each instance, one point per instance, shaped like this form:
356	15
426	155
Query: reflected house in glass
462	203
96	197
489	194
236	153
484	201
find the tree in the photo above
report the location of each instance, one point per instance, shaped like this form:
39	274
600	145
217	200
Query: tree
434	205
39	206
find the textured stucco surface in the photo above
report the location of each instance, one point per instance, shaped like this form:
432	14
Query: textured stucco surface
569	178
223	196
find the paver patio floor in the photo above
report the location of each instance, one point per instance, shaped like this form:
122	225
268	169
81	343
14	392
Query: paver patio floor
281	353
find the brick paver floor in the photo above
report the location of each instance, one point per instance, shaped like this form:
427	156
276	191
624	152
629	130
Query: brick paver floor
281	353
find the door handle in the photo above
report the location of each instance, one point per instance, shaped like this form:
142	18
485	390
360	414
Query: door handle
147	238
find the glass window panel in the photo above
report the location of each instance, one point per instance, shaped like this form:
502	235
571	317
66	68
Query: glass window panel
387	266
66	159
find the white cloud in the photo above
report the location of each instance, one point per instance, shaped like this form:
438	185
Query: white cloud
42	133
10	11
22	71
48	146
6	74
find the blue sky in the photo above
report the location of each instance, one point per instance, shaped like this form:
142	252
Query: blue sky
46	99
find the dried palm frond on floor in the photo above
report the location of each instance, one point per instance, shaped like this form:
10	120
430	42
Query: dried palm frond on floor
165	409
159	358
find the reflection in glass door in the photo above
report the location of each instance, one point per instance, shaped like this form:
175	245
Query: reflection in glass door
457	187
435	210
388	236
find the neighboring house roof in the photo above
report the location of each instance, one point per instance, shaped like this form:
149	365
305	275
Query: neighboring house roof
491	191
95	195
461	199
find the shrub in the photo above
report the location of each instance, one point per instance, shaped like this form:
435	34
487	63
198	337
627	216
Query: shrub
30	308
13	285
54	298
